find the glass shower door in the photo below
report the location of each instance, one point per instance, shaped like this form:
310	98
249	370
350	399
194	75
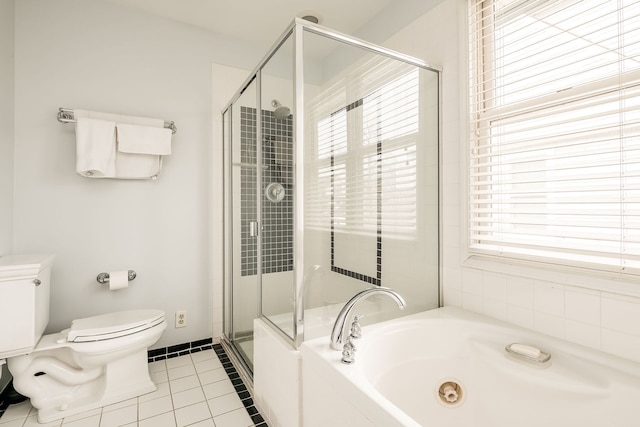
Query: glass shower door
259	149
278	188
242	237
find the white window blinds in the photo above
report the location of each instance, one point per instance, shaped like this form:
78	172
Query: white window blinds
555	131
366	156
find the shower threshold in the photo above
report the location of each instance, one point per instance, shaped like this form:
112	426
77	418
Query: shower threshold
240	352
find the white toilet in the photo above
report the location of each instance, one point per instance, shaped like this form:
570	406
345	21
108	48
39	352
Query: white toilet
98	361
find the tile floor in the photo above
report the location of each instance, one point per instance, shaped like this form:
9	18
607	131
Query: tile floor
199	389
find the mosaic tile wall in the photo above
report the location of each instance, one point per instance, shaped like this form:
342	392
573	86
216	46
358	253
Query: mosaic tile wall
277	216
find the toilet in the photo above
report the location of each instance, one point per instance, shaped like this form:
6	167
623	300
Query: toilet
97	361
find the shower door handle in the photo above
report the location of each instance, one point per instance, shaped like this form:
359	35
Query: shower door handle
253	228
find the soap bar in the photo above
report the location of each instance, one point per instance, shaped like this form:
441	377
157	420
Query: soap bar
525	350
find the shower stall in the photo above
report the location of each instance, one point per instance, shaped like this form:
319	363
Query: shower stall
331	151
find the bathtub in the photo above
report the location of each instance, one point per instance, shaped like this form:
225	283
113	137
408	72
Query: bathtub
277	366
449	368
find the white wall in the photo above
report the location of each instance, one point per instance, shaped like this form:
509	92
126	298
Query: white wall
97	56
6	140
598	313
6	126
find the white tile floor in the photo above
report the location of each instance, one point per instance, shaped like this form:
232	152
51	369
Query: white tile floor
193	390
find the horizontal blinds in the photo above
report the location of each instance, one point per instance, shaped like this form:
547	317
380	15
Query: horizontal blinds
366	158
555	131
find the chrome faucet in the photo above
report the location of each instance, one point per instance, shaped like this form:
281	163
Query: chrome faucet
338	334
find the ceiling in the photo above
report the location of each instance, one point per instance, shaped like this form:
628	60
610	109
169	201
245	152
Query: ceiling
260	22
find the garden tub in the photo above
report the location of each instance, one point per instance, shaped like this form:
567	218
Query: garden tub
449	368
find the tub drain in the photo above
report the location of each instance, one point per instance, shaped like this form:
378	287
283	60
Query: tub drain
450	393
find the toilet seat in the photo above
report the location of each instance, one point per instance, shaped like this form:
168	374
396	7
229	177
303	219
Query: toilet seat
113	325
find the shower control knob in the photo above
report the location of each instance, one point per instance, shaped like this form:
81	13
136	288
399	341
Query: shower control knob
275	192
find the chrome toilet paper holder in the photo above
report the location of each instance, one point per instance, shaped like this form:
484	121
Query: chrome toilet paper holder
103	278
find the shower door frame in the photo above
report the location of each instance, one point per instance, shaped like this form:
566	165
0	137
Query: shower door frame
296	31
229	340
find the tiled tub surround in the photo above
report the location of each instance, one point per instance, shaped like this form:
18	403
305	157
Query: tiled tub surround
601	320
196	387
400	365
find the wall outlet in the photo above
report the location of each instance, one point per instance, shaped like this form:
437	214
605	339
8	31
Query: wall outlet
181	318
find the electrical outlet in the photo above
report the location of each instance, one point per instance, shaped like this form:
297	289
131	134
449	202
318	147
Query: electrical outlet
181	318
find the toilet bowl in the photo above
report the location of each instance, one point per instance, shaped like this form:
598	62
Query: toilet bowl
97	361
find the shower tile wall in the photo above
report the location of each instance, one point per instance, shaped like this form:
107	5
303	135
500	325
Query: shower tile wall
277	217
248	206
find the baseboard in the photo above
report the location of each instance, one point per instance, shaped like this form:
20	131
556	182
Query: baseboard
179	350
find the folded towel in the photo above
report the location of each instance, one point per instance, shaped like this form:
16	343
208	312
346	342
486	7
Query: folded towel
95	147
143	139
138	166
119	118
130	165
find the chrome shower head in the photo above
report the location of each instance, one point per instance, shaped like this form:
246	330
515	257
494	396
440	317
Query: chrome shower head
280	111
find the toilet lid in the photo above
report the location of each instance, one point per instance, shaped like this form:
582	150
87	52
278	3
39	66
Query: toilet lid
113	325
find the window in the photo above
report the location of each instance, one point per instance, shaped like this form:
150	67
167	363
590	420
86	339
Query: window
366	159
361	172
554	171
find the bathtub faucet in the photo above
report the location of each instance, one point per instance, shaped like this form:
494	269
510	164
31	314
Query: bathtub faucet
341	330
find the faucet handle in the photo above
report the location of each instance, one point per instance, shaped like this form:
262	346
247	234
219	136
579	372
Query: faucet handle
348	352
356	329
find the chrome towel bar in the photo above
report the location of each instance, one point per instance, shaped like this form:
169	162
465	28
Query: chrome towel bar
65	115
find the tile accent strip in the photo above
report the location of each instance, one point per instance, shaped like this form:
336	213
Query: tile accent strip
241	389
334	267
201	345
179	350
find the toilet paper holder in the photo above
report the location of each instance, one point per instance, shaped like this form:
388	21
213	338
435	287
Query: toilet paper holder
104	277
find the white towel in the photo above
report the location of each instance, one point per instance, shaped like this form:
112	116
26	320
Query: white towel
128	165
119	118
137	166
143	139
95	147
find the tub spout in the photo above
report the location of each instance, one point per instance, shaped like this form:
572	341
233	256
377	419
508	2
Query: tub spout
338	332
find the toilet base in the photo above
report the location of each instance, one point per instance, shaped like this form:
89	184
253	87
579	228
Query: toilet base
58	390
53	414
64	378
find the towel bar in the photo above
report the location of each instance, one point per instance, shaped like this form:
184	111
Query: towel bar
65	115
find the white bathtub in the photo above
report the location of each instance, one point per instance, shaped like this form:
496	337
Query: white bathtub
401	364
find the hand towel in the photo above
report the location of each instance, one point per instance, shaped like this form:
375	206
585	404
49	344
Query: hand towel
143	139
119	118
137	166
128	165
95	147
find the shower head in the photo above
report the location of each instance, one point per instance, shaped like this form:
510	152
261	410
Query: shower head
280	111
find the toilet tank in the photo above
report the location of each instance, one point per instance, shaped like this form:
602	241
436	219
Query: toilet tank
24	301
